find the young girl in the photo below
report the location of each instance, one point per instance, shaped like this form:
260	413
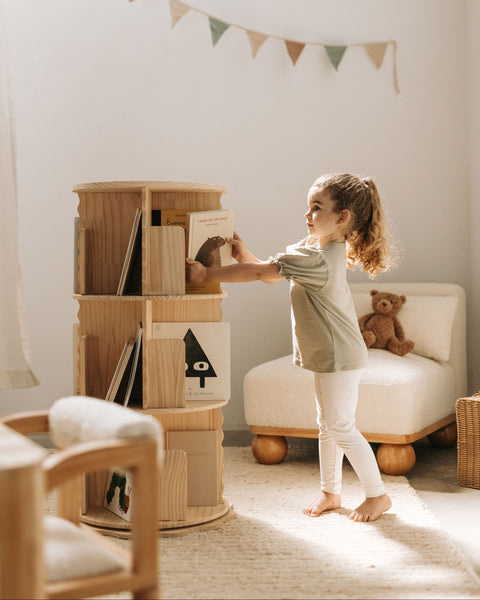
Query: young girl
346	228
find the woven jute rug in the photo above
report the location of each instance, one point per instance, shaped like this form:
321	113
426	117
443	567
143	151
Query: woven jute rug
271	550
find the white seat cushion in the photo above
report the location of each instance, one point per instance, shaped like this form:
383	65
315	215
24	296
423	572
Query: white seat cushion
399	395
70	552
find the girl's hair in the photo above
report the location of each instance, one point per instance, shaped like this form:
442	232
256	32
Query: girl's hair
366	236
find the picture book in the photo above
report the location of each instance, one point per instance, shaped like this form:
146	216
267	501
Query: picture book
118	385
131	275
118	494
189	221
207	357
207	231
126	384
133	393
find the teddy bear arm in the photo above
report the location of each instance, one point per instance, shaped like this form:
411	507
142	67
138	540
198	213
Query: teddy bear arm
399	332
364	320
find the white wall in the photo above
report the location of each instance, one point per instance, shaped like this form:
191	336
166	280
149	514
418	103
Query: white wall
108	91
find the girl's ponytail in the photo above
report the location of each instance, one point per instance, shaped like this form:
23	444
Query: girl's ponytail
367	244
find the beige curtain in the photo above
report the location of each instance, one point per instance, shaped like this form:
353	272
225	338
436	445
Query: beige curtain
15	371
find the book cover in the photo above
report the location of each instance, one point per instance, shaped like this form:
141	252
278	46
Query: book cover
207	357
131	275
207	231
134	392
118	385
118	494
75	255
181	218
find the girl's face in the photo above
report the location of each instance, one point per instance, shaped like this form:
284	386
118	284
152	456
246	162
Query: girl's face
323	223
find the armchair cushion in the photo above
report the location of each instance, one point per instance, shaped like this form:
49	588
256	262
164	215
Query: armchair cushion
77	419
398	395
71	552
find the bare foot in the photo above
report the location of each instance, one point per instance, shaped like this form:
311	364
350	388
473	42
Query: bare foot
326	501
371	508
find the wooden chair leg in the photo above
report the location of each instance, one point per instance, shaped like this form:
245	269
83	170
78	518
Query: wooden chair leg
148	594
396	459
444	437
269	449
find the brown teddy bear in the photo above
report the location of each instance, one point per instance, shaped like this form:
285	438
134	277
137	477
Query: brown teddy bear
382	329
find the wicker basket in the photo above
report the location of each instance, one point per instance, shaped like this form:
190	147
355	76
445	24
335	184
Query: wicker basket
468	444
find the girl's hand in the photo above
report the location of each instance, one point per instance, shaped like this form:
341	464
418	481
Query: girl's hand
195	271
239	250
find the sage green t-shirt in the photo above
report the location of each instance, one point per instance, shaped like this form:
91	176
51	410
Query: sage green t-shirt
326	334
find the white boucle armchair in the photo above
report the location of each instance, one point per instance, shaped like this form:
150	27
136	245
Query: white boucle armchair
401	399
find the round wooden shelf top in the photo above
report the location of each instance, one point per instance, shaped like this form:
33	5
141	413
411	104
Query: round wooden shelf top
154	186
184	298
190	407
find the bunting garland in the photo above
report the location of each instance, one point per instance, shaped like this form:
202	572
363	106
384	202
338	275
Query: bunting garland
375	50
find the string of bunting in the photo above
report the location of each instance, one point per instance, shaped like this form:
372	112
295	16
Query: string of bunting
375	50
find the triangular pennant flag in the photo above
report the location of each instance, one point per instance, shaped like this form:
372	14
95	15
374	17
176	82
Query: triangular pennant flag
376	52
177	11
335	54
217	28
294	50
256	41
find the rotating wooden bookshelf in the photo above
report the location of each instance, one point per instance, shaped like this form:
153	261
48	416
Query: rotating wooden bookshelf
130	282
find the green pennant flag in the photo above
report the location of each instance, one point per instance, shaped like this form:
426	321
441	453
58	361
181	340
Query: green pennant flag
335	54
217	29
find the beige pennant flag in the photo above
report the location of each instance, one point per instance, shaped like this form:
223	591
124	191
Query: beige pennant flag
294	50
376	52
256	41
177	11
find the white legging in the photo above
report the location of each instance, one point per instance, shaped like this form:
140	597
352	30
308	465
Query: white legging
337	396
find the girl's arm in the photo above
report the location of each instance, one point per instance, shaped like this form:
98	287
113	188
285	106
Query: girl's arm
240	272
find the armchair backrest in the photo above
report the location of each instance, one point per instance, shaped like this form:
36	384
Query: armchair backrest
458	343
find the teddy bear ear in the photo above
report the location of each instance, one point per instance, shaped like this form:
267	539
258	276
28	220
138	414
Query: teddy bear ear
373	292
403	299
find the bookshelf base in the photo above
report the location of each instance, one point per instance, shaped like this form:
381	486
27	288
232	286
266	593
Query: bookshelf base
198	517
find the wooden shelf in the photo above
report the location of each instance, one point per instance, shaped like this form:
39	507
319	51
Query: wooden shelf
154	186
100	517
191	406
191	479
183	298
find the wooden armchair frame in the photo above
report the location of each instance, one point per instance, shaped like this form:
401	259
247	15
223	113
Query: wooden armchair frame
64	471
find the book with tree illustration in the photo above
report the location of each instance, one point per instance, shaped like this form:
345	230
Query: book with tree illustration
207	357
118	494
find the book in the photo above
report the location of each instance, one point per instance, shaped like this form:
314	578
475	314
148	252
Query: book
134	386
126	384
118	494
76	252
119	382
131	275
207	357
180	217
207	231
